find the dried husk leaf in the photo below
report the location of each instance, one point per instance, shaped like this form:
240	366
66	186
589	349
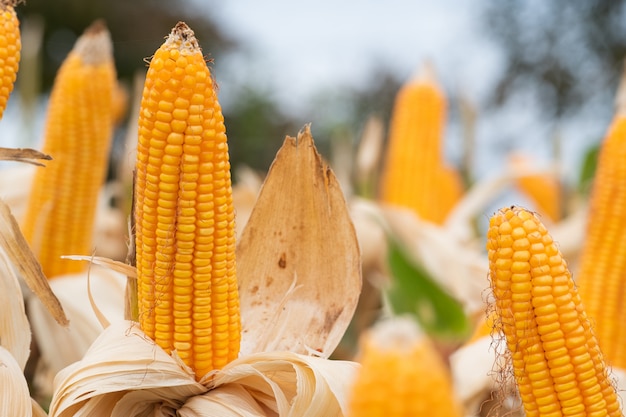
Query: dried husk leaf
37	410
226	401
298	261
14	395
125	373
477	370
14	326
458	267
121	359
29	156
18	251
62	346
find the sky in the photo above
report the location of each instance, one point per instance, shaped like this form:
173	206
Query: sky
296	49
300	48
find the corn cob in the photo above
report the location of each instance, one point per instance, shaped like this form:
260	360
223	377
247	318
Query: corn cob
557	363
543	189
10	49
450	192
401	375
602	265
184	213
414	174
59	218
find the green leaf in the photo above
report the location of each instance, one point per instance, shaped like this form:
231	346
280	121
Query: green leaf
414	292
588	168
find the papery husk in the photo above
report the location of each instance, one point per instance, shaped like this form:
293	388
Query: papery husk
477	370
457	266
298	261
125	373
61	346
14	395
22	258
121	360
15	333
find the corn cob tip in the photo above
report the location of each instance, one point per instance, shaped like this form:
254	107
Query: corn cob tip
94	46
425	74
183	38
396	334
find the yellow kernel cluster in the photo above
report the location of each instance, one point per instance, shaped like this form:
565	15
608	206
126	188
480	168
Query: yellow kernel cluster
401	375
59	218
10	49
557	362
414	174
184	213
603	257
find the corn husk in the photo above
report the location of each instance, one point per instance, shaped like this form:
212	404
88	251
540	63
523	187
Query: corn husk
15	335
61	346
299	271
15	397
298	257
124	373
458	267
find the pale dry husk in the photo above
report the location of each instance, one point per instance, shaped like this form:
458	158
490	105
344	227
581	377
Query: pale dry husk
62	346
15	336
299	272
298	257
125	374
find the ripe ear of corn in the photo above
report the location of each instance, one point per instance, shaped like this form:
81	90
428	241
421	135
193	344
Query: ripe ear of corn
59	219
401	375
10	50
603	257
557	363
414	174
542	188
184	214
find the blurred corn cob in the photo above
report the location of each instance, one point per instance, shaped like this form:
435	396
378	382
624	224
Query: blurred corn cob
543	188
402	374
415	174
602	272
60	215
184	215
10	49
557	363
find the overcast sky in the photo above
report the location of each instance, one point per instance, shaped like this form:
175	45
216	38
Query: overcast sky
300	47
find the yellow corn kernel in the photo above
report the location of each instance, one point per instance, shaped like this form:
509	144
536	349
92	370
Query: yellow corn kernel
603	255
59	218
401	375
557	362
184	213
415	175
543	189
10	49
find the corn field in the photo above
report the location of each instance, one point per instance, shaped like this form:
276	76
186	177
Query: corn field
180	288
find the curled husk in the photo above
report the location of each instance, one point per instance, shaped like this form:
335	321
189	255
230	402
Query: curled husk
124	373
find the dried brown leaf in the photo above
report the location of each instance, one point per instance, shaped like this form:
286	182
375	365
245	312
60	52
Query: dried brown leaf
298	260
29	156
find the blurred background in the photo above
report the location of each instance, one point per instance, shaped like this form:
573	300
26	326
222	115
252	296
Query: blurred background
534	76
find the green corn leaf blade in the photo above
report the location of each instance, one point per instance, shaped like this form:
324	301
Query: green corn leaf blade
588	169
414	292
